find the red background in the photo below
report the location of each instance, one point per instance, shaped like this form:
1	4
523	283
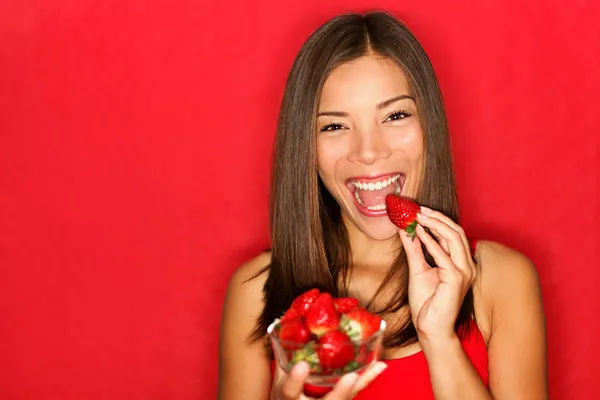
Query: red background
135	140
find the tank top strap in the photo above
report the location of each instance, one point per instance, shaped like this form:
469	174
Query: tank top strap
473	246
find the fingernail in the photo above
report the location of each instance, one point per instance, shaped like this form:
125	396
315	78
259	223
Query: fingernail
351	378
426	210
302	367
380	367
422	216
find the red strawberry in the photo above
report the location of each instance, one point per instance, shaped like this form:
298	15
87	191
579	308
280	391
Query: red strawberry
290	314
403	213
303	302
294	331
335	350
359	324
322	316
345	304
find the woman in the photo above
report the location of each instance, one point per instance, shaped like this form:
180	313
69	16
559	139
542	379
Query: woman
362	116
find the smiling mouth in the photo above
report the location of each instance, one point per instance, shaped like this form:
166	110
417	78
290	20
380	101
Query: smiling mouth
369	193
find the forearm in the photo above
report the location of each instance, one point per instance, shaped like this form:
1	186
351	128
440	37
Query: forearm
452	375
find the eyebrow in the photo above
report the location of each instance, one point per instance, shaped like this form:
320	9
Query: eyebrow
379	106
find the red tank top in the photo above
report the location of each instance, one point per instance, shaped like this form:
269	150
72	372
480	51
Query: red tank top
408	377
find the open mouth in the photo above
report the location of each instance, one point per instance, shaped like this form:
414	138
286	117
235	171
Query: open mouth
369	192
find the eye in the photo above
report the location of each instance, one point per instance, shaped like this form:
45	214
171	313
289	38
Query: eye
331	127
398	115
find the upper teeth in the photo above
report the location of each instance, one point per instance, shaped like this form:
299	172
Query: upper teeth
376	185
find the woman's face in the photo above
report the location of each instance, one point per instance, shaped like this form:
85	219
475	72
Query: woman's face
369	141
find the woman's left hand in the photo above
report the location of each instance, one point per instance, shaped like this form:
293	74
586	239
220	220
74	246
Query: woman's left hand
435	295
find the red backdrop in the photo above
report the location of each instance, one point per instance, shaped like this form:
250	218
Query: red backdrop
135	140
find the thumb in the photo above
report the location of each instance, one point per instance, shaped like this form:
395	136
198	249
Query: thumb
414	253
289	386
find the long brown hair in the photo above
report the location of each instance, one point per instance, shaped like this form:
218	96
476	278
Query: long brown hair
310	245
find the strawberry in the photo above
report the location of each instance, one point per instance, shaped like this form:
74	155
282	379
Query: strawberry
335	350
303	302
322	316
294	331
359	324
403	213
345	304
290	314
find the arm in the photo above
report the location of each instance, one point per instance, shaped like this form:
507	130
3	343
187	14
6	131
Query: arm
244	370
516	349
451	373
517	346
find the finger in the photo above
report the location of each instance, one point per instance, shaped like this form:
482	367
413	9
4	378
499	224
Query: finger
343	389
442	260
293	384
443	242
448	221
458	252
367	377
414	254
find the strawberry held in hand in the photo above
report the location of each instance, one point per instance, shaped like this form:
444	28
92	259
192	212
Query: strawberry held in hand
403	213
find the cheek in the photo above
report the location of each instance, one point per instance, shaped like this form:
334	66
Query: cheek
410	143
328	154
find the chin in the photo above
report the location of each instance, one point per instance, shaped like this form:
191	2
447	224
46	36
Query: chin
379	233
379	228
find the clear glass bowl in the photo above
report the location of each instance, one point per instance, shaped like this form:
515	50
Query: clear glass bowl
288	353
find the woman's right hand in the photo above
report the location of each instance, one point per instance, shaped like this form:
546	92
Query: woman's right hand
291	386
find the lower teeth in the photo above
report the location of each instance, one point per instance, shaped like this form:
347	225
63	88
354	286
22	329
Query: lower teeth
377	207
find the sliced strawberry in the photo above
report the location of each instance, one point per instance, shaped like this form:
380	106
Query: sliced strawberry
403	213
322	316
359	324
345	304
294	331
335	350
290	314
303	302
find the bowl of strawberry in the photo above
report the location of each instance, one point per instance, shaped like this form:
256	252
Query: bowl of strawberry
333	335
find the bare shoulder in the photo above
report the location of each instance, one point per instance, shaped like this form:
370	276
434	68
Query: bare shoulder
504	270
510	288
251	275
244	370
243	300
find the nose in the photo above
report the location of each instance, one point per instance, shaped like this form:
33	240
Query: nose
368	146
